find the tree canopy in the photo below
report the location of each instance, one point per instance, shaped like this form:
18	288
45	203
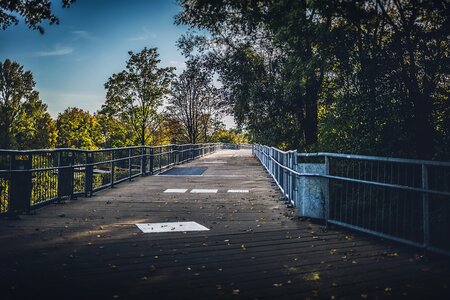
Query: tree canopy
355	76
34	12
195	102
135	94
24	120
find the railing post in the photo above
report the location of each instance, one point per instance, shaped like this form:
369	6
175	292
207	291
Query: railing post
168	156
143	160
130	152
20	185
177	154
152	151
65	175
425	208
326	193
88	174
295	178
160	158
112	168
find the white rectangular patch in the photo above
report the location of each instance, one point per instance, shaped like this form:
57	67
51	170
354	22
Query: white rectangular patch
171	227
204	191
237	191
175	191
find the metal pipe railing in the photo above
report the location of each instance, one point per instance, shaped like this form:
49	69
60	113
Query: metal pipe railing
404	200
31	178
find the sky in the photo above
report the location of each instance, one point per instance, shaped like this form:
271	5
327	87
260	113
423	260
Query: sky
72	61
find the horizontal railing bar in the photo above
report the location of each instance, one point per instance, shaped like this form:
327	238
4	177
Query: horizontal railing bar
376	158
377	183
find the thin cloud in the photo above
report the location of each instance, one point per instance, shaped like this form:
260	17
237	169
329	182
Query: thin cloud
58	51
147	34
83	34
138	38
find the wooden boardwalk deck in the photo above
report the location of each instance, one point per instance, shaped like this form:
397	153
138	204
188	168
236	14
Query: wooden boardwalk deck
256	248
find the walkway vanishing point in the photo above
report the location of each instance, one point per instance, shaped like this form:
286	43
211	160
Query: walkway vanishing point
256	248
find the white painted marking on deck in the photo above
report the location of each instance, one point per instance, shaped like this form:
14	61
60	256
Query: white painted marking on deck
237	191
214	162
171	227
204	191
175	191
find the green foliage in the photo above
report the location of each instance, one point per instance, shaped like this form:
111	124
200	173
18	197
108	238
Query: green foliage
78	129
355	76
115	134
24	120
230	137
33	12
134	95
195	103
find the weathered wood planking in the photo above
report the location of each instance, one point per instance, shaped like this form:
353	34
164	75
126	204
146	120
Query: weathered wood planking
256	249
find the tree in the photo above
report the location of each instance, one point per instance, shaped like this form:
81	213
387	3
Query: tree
299	74
114	133
134	95
34	13
194	101
24	120
78	129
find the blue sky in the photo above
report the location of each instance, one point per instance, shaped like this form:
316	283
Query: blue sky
72	61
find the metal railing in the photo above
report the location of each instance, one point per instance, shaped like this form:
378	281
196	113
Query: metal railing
399	199
229	146
32	178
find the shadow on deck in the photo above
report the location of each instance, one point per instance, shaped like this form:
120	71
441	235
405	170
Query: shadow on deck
256	248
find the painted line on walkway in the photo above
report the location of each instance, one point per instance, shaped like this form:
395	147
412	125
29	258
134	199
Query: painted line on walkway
204	191
171	227
175	191
237	191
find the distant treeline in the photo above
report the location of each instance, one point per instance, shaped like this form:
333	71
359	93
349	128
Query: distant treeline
124	120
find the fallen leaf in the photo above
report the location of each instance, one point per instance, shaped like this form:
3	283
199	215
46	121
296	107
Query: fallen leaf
312	277
277	284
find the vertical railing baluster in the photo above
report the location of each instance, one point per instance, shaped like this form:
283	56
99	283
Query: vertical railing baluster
112	166
425	208
143	161
152	152
130	171
326	193
88	174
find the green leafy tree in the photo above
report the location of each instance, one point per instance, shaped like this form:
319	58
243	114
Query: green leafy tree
34	12
114	133
361	76
195	101
24	120
78	129
135	94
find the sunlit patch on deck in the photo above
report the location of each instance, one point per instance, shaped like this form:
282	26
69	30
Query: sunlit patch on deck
171	227
175	191
204	191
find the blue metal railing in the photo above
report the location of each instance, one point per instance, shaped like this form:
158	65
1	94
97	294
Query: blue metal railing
399	199
31	178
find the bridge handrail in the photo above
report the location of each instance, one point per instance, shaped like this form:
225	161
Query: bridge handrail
32	178
366	193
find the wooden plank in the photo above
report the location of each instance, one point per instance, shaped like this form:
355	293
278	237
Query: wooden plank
257	248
